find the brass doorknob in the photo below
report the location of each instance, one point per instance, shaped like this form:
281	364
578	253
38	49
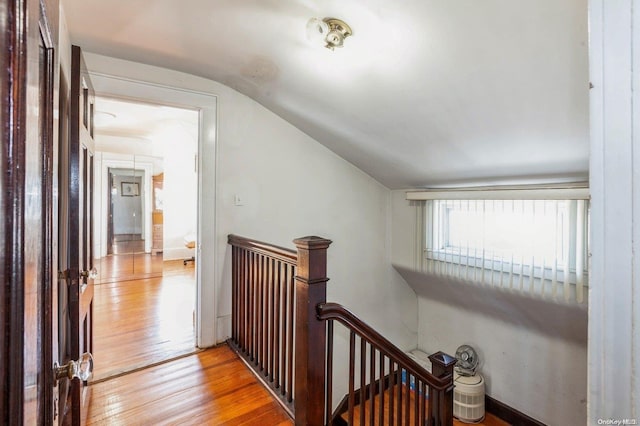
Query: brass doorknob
81	368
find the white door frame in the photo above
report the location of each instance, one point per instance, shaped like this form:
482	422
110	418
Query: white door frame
614	281
206	105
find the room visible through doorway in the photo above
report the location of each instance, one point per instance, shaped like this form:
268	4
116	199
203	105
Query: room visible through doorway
146	188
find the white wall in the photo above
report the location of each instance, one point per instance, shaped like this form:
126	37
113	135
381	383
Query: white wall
292	186
180	188
533	352
297	187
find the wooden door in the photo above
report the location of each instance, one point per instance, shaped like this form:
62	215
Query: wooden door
76	156
28	38
13	114
48	291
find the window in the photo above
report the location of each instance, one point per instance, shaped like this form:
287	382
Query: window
530	245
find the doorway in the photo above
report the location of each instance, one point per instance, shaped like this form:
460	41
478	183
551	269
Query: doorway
124	232
146	202
210	326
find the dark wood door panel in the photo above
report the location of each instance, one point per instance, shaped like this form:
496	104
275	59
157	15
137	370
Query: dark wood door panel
13	59
28	37
77	240
63	314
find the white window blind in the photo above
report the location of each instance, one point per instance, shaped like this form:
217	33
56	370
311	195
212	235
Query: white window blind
535	246
565	191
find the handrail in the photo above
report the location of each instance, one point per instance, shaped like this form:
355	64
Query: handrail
280	253
335	311
282	328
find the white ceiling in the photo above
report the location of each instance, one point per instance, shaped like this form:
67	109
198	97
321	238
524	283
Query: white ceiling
144	129
426	92
118	117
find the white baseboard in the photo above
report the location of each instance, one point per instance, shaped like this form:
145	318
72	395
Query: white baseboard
176	253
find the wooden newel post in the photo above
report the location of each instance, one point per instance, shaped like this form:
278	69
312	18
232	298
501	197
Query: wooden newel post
310	333
441	366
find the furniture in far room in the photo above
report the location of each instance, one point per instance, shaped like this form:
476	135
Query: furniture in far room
190	243
157	215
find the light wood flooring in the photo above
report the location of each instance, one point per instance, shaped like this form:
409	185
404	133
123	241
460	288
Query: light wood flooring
143	321
127	243
130	266
212	387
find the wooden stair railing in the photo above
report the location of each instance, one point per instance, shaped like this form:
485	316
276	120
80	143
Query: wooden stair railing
394	389
282	328
262	319
274	326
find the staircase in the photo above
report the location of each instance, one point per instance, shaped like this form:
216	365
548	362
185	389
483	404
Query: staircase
380	411
283	328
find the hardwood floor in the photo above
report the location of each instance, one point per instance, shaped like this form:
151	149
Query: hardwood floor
489	420
144	321
131	266
127	243
211	387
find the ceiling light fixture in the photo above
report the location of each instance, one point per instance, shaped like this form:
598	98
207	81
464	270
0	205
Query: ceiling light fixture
330	31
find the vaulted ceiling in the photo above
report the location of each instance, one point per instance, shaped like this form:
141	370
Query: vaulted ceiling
425	92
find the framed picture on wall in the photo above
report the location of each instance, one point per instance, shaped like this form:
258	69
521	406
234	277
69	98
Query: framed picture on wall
130	189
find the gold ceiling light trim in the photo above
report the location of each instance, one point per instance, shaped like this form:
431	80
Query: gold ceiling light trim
338	31
331	31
